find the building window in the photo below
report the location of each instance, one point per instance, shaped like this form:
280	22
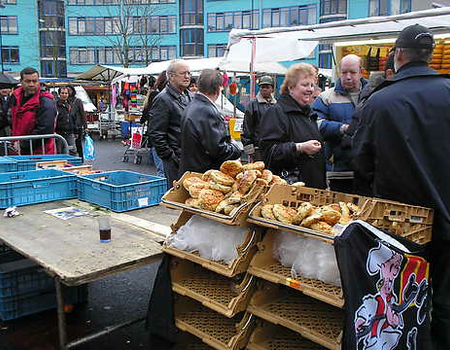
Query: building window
216	50
53	68
191	12
10	54
52	13
333	7
388	7
154	24
111	55
117	2
53	44
325	56
289	16
8	24
379	8
111	25
191	42
222	21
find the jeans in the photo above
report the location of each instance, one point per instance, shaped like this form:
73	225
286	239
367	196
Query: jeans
158	163
170	170
70	138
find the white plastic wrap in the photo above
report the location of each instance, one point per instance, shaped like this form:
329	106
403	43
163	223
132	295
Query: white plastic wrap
307	257
212	240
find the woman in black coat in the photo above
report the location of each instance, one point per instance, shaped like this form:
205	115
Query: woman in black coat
289	135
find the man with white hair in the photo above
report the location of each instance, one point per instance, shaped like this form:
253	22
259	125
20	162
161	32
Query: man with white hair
335	108
165	117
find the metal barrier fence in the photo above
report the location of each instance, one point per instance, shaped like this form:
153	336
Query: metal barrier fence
6	143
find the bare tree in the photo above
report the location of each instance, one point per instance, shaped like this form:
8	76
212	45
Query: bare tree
132	27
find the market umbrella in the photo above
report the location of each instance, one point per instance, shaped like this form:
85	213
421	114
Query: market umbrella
7	81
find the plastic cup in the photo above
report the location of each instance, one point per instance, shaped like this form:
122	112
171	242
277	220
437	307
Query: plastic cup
104	226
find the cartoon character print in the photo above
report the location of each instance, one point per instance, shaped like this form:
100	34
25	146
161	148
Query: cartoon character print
379	321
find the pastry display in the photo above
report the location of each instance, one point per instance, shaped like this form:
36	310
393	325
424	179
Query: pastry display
319	218
224	190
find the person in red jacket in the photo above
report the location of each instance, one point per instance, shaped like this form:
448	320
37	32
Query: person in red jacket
33	113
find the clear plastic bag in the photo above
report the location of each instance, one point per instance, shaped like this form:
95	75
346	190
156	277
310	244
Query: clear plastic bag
212	240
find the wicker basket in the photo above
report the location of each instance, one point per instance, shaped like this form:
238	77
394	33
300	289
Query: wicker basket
412	222
265	266
312	319
214	291
177	195
239	265
267	336
212	328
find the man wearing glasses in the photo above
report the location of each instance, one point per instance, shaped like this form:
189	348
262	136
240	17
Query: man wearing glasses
165	115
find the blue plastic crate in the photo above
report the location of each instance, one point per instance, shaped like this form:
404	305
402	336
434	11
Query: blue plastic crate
23	276
28	304
121	190
25	163
37	186
8	255
7	165
125	128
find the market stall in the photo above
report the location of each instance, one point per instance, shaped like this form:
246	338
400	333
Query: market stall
279	270
360	35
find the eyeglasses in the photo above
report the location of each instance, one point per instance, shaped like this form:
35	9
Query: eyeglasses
183	73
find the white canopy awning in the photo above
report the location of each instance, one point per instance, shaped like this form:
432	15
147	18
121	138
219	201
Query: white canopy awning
437	20
198	64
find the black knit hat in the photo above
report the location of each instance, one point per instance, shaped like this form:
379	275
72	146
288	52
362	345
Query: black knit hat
415	37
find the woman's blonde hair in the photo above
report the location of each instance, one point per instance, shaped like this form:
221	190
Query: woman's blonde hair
293	75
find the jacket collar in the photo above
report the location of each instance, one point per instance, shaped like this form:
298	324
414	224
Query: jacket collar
414	69
176	94
261	99
340	89
288	104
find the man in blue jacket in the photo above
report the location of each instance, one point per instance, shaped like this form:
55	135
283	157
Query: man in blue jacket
402	146
335	108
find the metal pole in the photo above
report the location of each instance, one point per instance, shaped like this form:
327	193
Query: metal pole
61	316
252	70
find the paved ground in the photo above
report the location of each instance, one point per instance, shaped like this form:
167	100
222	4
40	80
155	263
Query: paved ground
111	300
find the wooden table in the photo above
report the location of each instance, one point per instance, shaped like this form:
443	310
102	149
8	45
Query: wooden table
71	252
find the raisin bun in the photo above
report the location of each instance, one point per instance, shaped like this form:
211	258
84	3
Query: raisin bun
209	199
267	212
221	178
284	214
190	180
254	166
231	167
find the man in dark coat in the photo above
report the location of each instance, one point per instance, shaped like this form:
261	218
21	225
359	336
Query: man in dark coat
253	113
205	140
5	119
402	145
165	117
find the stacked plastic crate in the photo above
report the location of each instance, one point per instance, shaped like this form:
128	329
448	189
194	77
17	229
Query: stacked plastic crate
26	289
305	313
211	296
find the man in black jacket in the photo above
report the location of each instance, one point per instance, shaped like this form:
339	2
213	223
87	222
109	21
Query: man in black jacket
5	121
402	145
205	141
253	113
165	116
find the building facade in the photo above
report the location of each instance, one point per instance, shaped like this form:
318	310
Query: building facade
66	37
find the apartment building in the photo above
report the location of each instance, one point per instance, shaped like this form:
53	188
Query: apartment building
65	37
